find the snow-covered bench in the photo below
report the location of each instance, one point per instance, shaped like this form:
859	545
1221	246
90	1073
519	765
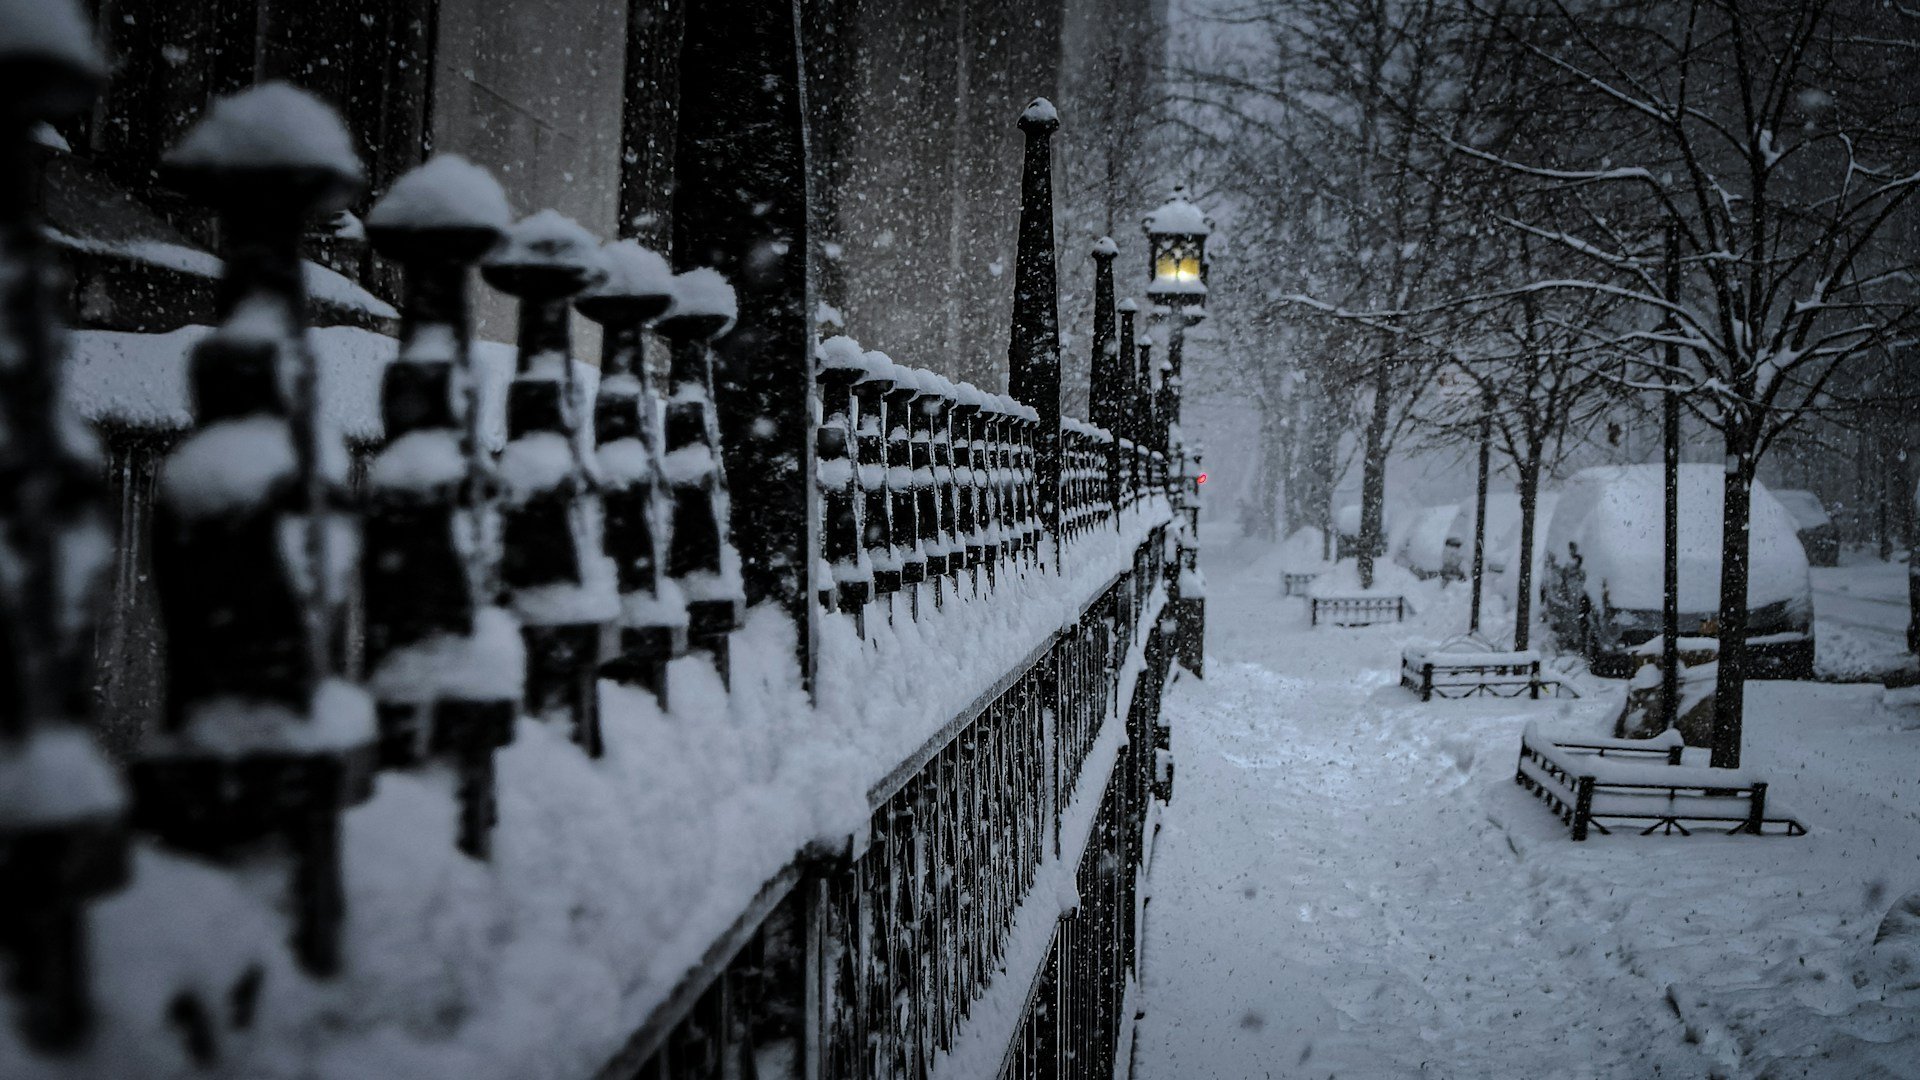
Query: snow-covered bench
1588	781
1295	582
1432	672
1359	610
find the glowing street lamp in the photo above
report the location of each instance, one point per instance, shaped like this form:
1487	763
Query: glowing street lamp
1177	251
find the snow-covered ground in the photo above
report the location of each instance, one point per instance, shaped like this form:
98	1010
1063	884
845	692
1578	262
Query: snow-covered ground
1349	883
1860	611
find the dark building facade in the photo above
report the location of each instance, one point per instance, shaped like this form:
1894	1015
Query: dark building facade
631	117
577	104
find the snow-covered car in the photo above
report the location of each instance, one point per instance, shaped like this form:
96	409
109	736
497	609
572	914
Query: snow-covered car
1423	547
1346	530
1817	533
1503	555
1503	520
1602	577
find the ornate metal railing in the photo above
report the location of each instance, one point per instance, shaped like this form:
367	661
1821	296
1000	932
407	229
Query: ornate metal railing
329	619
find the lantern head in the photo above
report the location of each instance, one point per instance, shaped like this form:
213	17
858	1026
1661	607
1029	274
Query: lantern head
1177	247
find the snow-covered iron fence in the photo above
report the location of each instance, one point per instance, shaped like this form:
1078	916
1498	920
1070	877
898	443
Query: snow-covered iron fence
988	591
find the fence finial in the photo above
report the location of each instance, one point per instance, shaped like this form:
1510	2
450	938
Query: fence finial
1033	361
1129	392
260	734
558	577
62	837
633	497
700	553
447	667
1108	370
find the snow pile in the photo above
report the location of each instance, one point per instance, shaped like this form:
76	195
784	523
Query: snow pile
1343	579
1301	550
1423	547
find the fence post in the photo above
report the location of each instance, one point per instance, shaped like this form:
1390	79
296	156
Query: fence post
53	858
426	592
946	484
740	205
558	577
1109	373
1756	809
248	630
842	535
701	557
970	466
1582	807
652	628
1128	394
899	398
870	446
1033	360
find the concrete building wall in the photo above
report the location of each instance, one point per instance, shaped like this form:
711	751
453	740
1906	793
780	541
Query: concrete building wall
924	176
533	91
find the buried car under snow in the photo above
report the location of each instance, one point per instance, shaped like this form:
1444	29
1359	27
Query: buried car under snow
1602	580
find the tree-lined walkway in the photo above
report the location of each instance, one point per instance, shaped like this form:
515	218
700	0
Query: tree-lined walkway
1334	893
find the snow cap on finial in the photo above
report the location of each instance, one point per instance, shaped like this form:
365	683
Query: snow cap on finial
49	65
633	270
1040	115
272	127
703	293
1105	248
1179	215
1126	304
448	192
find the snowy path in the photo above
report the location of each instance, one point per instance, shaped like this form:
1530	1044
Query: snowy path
1349	884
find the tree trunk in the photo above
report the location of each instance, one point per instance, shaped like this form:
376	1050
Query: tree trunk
1523	576
1373	477
1729	701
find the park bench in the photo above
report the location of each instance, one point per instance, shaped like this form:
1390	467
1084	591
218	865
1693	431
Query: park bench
1435	672
1356	610
1295	582
1590	781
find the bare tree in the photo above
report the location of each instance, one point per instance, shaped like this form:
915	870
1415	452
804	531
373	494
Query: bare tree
1765	136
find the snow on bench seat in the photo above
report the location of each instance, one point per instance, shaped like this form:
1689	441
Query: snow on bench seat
1431	671
1583	779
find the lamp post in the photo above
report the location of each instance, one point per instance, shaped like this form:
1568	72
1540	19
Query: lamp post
1177	280
1177	290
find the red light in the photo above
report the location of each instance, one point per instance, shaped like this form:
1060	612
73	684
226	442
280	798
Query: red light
1201	479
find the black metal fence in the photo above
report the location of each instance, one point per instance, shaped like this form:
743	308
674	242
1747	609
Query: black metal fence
323	623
